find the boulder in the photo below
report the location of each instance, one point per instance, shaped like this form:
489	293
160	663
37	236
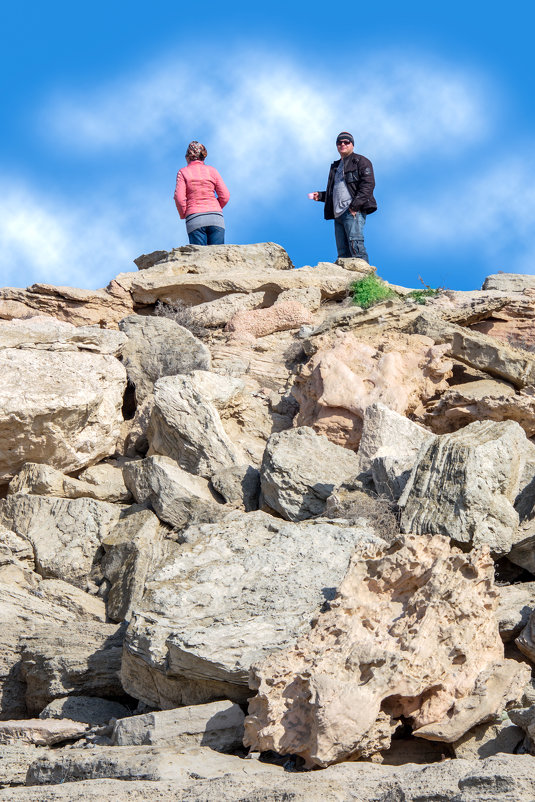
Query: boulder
234	591
218	725
392	644
176	496
186	427
481	400
239	486
157	347
22	608
309	297
44	480
193	259
526	640
489	739
389	448
83	659
515	603
107	481
65	533
88	709
40	733
300	469
464	485
59	408
130	549
509	282
347	373
14	763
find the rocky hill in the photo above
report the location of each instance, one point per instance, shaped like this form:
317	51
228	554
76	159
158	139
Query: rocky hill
260	543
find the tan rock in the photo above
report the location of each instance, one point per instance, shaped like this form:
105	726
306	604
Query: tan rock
44	480
489	739
337	385
393	643
479	350
39	732
169	282
481	400
219	311
79	307
515	603
49	334
59	408
260	322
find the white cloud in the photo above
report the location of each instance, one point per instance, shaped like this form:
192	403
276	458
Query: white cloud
49	240
266	117
492	210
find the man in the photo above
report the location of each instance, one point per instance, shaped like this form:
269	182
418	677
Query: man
349	198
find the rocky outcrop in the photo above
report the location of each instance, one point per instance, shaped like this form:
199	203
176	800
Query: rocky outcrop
392	644
256	579
103	482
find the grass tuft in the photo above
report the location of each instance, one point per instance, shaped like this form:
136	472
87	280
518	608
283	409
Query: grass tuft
370	290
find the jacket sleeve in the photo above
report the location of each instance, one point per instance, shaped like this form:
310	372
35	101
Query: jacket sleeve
322	196
223	194
180	195
366	186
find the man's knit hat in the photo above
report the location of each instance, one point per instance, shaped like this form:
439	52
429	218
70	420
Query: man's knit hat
345	135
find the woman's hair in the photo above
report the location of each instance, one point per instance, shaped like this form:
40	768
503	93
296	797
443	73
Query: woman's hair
196	151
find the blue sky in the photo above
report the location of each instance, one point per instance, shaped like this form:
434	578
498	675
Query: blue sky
101	99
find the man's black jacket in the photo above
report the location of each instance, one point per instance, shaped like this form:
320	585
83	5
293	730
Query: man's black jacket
358	174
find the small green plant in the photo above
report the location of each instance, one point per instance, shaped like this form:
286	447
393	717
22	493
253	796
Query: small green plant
421	296
370	290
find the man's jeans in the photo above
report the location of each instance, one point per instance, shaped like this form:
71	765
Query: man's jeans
349	233
207	235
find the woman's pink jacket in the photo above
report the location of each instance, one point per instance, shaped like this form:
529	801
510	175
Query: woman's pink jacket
195	187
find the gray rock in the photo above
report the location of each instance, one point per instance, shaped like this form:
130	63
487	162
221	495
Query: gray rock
88	709
83	659
218	725
233	592
177	497
49	334
489	739
186	427
526	639
387	432
64	533
219	311
15	759
300	469
514	608
35	731
159	347
464	485
137	763
130	550
239	486
62	408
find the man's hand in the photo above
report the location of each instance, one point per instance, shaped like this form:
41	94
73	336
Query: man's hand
352	212
315	196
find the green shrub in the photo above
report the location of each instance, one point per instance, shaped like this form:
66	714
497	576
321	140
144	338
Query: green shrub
370	290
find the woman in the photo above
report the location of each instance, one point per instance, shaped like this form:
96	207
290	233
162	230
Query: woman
196	201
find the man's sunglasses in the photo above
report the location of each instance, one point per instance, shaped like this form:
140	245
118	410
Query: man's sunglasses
343	142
